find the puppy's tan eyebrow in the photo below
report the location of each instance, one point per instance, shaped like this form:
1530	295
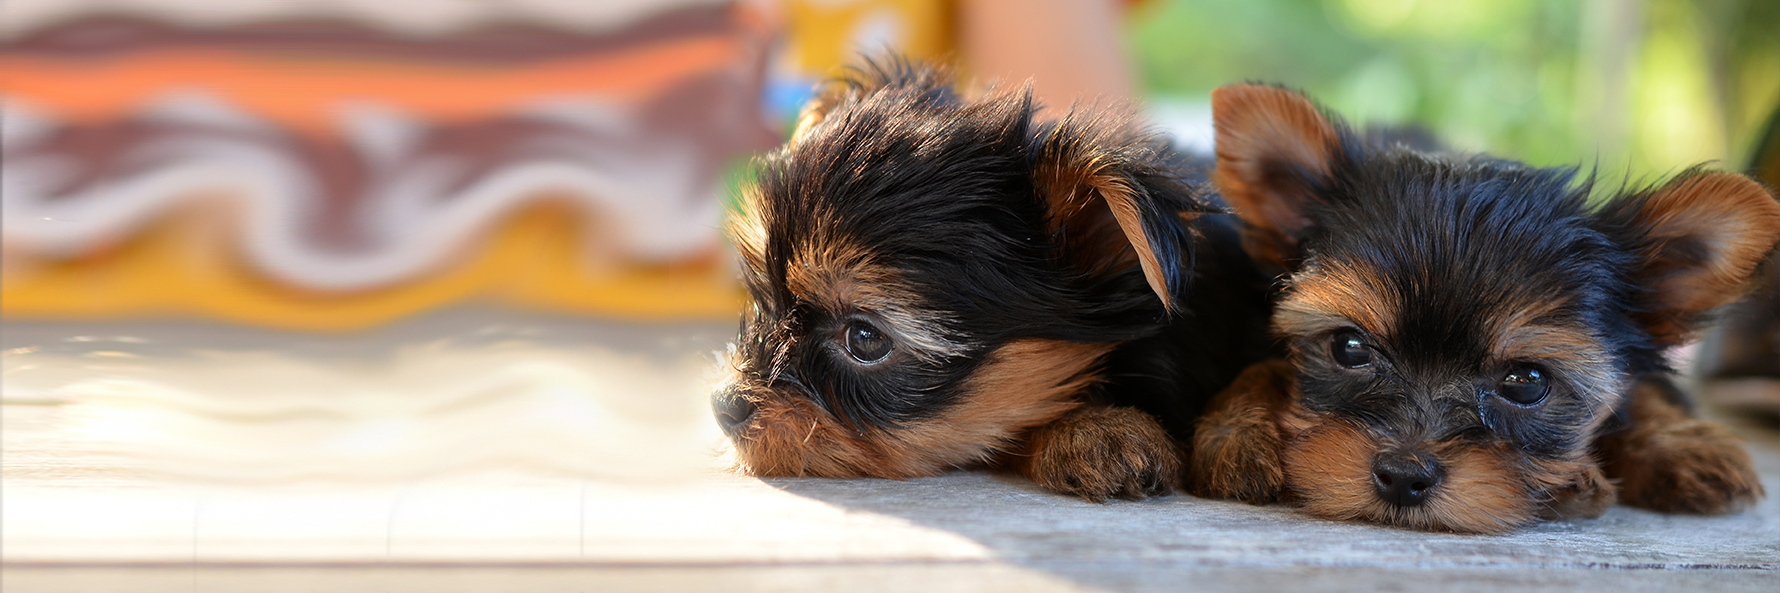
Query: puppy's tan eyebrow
1530	329
1333	295
844	279
1548	342
839	275
1533	330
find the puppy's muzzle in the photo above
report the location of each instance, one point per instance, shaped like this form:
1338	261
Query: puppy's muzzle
732	410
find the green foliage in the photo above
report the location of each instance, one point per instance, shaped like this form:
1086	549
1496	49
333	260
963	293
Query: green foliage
1641	86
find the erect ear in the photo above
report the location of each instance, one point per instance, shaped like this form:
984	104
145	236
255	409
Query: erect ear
872	75
1111	197
1275	153
1699	239
828	95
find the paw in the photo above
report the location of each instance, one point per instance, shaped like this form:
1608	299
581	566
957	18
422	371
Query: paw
1236	455
1586	498
1691	466
1101	453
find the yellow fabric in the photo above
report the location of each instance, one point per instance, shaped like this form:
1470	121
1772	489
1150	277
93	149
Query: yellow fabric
182	268
826	34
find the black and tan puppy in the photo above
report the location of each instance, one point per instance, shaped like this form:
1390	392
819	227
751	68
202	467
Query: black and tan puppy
1473	343
940	281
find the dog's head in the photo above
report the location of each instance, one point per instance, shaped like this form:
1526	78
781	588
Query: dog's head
930	274
1463	327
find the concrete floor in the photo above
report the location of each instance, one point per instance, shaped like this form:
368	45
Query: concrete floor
432	456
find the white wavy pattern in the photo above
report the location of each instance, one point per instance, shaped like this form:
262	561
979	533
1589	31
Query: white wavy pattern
656	195
431	409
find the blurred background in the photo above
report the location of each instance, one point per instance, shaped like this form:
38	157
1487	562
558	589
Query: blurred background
1645	87
370	241
339	165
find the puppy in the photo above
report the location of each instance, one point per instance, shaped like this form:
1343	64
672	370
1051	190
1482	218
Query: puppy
939	281
1473	344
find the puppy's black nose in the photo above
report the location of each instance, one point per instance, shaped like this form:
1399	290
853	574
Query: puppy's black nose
1403	480
733	411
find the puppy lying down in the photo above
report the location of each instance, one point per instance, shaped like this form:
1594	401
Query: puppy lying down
1474	343
940	281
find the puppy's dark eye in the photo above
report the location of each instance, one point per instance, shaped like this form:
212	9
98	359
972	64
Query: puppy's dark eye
866	344
1525	386
1350	350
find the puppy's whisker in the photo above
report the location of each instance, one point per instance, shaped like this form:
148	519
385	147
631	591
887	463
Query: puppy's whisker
1544	502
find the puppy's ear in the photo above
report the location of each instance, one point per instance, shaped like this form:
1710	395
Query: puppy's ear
828	96
1698	239
930	82
1111	197
1275	154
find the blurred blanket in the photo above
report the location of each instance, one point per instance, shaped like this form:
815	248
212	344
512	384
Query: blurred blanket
336	165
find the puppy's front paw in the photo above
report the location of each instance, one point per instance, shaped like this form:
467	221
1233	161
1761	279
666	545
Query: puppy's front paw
1098	453
1586	498
1236	454
1237	442
1690	466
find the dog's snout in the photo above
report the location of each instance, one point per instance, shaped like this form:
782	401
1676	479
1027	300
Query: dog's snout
1404	480
733	411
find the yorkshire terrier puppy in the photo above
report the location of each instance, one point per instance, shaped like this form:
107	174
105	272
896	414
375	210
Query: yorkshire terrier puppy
1472	343
939	281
